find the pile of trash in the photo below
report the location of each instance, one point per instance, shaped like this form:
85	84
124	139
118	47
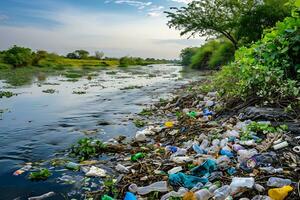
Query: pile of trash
186	154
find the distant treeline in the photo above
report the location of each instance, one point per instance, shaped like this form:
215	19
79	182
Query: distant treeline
21	56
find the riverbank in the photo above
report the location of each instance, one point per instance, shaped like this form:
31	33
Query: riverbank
190	148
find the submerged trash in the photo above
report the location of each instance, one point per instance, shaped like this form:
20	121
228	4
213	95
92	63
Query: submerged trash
44	196
96	172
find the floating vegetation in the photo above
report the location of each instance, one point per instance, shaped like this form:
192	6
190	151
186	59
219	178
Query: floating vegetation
43	174
79	92
112	73
49	91
146	112
131	87
139	123
6	94
87	148
73	75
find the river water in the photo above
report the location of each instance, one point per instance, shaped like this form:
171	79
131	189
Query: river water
35	125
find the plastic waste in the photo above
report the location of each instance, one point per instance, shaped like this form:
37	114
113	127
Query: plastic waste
198	149
137	156
227	153
171	149
140	136
207	112
73	166
192	114
213	188
232	133
278	182
259	187
175	170
187	181
271	170
22	170
204	144
122	169
244	155
281	145
280	193
215	142
261	197
181	159
180	152
96	172
189	196
231	171
240	183
160	186
215	175
209	103
205	168
222	193
223	162
237	147
44	196
130	196
106	197
203	194
248	143
224	142
179	193
169	124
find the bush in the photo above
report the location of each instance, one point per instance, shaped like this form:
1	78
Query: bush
187	54
268	70
212	55
18	56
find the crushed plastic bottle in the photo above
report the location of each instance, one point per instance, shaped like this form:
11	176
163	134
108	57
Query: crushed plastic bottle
244	155
137	156
73	166
160	186
198	149
240	183
280	193
203	194
271	170
175	170
204	144
278	182
222	193
179	193
122	169
181	159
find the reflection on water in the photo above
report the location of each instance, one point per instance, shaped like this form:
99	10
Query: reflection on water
34	125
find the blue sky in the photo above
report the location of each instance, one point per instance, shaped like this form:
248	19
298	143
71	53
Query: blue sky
117	27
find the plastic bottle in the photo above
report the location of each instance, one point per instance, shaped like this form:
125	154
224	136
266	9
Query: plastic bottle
280	193
73	166
122	169
244	155
237	147
204	144
223	162
130	196
278	182
222	193
180	193
181	159
137	156
240	183
224	142
203	194
171	149
215	142
160	186
271	170
175	170
198	149
106	197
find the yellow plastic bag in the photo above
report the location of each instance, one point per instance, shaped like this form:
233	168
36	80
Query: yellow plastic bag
169	124
189	196
280	193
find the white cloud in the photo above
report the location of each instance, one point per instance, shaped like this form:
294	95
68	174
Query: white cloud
115	34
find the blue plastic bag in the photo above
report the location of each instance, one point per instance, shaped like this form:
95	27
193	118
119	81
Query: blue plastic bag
186	181
205	168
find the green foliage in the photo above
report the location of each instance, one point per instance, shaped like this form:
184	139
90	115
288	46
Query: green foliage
43	174
265	128
38	56
187	54
110	187
268	70
252	23
18	56
139	123
78	54
6	94
128	61
146	112
87	148
212	55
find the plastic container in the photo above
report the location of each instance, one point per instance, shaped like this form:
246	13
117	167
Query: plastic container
280	193
175	170
222	193
137	156
160	186
240	183
203	194
130	196
204	144
73	166
278	182
244	155
271	170
198	149
122	169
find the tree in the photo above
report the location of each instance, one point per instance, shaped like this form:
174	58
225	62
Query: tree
99	55
252	24
82	54
211	17
187	54
38	56
18	56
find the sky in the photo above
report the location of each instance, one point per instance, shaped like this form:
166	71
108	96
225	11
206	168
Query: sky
116	27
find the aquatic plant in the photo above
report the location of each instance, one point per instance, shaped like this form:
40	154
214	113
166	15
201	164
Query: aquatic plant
43	174
139	123
87	148
6	94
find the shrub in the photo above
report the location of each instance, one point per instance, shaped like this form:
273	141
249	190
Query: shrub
268	70
213	54
187	54
18	56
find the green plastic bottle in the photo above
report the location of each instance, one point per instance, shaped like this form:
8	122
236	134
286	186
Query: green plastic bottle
137	156
106	197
